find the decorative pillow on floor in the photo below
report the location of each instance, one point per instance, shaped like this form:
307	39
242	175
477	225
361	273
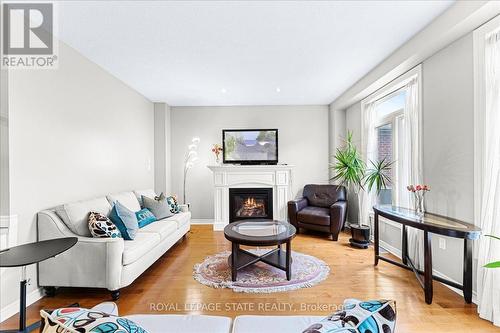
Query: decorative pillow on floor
359	317
145	217
83	320
125	220
159	208
100	226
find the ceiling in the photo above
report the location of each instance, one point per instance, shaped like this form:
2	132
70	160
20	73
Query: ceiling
241	52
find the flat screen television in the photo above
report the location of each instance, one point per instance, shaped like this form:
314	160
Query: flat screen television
250	146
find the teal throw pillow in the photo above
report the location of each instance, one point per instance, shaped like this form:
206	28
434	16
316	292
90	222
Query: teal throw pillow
145	217
125	220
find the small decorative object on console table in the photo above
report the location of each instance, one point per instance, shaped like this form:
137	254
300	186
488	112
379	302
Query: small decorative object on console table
28	254
217	150
419	196
190	158
429	224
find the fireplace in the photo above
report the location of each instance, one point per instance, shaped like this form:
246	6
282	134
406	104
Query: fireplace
250	203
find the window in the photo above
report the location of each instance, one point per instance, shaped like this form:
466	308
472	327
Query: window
389	113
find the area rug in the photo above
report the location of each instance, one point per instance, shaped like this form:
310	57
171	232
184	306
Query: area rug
215	272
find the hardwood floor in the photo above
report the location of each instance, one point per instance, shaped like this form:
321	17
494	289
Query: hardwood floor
168	284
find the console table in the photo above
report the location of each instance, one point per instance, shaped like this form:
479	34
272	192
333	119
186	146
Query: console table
429	224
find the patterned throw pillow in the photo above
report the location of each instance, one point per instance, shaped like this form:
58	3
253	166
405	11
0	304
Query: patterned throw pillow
359	317
84	320
100	226
145	217
172	202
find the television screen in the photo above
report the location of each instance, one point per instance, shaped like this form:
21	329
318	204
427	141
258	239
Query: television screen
250	146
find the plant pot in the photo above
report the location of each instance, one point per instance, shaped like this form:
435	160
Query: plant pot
360	236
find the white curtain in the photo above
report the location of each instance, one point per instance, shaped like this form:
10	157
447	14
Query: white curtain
488	280
412	159
369	144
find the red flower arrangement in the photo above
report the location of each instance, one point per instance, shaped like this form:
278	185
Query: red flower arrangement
418	188
217	150
419	191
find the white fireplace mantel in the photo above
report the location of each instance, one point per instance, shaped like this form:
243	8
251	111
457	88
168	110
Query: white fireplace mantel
278	177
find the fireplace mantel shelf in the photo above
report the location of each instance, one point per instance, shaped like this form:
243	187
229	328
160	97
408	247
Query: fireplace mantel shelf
246	167
278	177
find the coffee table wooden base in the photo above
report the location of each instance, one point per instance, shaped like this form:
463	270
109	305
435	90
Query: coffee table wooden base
277	257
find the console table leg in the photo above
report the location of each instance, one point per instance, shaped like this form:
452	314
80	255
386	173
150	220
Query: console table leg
404	245
376	238
467	277
428	267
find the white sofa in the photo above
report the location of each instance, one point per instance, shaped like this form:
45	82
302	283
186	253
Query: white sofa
157	323
110	263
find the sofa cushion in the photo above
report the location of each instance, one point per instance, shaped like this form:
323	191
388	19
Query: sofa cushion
147	193
163	227
160	208
181	219
125	220
85	320
272	324
128	199
100	226
314	215
75	214
144	217
183	323
142	244
358	316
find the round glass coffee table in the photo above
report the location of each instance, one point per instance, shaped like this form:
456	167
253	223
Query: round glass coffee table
260	233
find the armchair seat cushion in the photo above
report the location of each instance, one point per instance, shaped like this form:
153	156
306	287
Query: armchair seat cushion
314	215
142	244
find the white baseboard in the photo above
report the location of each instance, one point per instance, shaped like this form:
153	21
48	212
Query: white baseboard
219	226
202	221
391	249
13	308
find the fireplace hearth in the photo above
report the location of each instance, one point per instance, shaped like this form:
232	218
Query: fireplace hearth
250	203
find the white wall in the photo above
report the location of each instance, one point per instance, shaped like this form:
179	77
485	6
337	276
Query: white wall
448	140
75	132
303	142
162	145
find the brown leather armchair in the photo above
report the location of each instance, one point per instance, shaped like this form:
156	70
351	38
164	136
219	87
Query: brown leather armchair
322	208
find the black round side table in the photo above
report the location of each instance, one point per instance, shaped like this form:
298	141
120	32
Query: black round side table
27	254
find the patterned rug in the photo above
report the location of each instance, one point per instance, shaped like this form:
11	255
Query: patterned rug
215	272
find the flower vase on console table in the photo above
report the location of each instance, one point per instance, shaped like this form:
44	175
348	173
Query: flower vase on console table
419	192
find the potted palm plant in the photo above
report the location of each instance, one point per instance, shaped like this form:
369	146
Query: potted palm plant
351	171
